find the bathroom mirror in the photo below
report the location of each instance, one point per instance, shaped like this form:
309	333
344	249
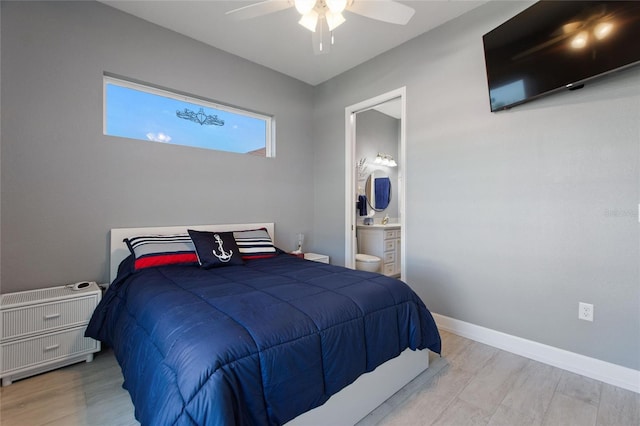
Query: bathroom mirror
378	190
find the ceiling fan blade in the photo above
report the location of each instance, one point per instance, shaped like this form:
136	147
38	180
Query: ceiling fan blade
383	10
258	9
321	38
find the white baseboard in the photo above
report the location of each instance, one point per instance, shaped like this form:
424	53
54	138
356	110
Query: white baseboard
606	372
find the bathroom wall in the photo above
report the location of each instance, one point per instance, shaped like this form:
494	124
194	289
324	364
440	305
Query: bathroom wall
377	132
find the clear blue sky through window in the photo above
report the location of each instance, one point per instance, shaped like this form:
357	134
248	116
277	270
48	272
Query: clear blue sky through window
145	113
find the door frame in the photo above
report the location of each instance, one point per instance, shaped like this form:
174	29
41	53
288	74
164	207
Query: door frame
350	173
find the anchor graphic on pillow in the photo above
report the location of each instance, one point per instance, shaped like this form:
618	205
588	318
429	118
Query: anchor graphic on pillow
224	256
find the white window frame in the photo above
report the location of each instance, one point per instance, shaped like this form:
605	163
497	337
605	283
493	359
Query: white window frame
269	120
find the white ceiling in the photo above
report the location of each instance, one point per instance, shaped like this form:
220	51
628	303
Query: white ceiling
278	42
391	108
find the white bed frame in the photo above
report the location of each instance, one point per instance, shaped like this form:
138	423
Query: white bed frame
349	405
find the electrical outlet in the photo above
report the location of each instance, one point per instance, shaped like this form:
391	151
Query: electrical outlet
585	311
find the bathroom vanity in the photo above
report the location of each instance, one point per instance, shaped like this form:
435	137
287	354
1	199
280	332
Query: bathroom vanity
382	241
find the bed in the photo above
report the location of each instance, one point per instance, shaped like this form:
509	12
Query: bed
198	346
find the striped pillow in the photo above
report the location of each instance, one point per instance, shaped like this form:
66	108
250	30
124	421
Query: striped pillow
254	244
159	250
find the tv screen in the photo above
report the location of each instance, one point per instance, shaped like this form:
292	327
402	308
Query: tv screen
559	44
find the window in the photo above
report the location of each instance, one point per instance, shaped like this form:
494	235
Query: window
135	111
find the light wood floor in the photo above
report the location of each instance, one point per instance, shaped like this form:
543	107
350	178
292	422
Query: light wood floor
476	384
471	384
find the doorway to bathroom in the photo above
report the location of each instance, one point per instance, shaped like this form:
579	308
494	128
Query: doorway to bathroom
375	159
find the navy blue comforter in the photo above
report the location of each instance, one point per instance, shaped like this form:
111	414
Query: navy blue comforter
254	344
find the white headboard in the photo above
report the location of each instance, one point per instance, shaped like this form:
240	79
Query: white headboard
119	250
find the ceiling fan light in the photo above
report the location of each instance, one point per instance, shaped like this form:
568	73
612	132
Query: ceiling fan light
334	20
602	30
309	20
336	6
304	6
580	41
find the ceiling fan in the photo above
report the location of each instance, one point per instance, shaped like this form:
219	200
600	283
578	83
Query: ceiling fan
321	17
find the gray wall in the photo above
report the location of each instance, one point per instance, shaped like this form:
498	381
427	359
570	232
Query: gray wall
513	217
64	184
0	148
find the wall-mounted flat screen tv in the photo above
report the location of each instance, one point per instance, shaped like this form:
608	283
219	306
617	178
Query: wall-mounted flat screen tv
555	45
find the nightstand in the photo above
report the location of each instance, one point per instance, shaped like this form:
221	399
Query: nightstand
322	258
44	329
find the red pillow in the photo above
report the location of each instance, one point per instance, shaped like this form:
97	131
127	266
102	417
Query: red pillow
159	250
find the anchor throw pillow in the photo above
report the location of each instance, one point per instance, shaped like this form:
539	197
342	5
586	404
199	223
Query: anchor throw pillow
215	249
